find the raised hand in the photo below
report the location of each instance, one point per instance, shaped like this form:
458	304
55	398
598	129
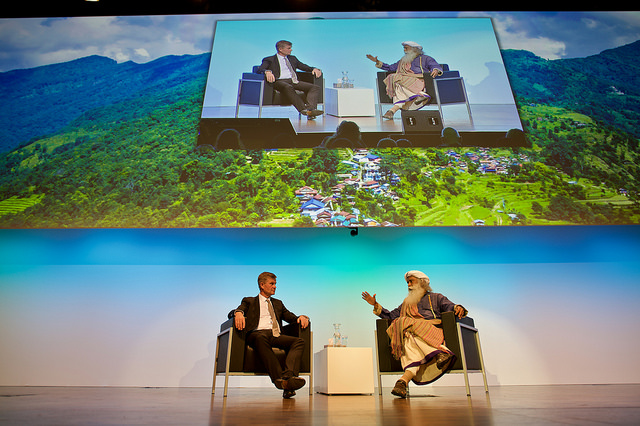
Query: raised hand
369	298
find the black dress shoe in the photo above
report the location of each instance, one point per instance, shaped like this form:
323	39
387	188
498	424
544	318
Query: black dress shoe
293	383
286	394
311	114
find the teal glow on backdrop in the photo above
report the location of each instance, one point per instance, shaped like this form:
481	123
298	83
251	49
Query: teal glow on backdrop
321	246
131	303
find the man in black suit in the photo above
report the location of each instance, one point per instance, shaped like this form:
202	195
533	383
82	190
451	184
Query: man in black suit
262	317
279	70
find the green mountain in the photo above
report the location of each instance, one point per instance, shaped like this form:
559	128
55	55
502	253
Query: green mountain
605	86
41	101
122	155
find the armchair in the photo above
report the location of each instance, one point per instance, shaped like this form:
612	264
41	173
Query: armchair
445	89
234	357
460	336
254	89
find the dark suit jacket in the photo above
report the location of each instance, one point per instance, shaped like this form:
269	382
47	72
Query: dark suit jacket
250	306
272	63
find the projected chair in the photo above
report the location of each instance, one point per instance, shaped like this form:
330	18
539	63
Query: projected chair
460	336
235	358
445	89
254	90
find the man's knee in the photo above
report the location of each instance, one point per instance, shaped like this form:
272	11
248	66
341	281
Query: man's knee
314	89
299	342
258	340
284	87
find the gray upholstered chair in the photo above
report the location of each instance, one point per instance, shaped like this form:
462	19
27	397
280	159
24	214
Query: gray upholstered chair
254	90
445	89
460	336
234	357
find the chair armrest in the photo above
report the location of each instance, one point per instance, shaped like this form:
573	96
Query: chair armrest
252	76
227	324
229	333
448	74
294	329
451	339
386	362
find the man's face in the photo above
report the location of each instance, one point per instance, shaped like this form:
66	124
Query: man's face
413	283
286	50
268	287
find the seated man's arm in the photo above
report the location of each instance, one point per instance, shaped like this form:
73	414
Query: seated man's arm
435	69
238	314
265	65
266	68
446	305
303	320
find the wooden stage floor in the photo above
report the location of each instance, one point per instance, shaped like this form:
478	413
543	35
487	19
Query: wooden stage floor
504	405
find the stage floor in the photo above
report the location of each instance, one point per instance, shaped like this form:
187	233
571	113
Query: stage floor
504	405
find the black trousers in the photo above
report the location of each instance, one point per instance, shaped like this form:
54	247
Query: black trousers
262	341
288	89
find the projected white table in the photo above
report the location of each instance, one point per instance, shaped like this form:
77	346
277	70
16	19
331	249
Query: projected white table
351	102
343	370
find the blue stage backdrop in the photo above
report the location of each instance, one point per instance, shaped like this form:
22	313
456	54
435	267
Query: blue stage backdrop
142	307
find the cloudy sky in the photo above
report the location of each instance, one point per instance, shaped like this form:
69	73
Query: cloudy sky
27	43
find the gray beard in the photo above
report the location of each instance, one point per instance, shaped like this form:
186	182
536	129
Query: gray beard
407	59
415	295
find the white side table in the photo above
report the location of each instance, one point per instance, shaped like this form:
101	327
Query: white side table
349	102
343	370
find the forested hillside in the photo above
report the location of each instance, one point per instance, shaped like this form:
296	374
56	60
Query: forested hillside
41	101
119	160
604	86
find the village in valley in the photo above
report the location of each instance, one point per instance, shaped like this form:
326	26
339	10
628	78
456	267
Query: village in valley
365	175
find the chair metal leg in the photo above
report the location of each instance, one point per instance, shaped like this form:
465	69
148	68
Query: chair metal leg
260	101
238	97
484	373
375	336
466	100
215	366
311	363
228	363
464	360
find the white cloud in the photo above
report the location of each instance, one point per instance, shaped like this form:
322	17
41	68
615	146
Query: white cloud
142	52
510	36
32	42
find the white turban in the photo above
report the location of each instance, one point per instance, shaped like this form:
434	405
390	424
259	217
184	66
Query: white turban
417	274
412	44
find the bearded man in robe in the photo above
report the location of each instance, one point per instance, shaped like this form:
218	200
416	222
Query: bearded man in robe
416	335
406	83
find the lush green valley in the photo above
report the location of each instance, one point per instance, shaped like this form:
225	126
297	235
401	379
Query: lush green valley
133	162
